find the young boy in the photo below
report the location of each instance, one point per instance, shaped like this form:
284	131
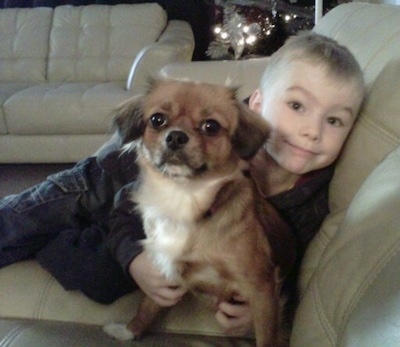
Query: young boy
310	94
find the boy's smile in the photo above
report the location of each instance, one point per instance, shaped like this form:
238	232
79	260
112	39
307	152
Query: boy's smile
310	113
300	151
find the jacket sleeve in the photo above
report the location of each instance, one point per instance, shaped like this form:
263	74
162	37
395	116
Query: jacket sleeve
305	206
126	228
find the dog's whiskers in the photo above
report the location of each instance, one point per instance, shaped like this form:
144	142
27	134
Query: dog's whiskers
128	147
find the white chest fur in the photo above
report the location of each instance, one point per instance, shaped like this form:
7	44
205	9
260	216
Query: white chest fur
170	210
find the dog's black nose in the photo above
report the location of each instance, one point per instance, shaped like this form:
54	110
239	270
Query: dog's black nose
176	139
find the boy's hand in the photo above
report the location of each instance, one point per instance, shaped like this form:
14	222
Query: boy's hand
235	316
153	283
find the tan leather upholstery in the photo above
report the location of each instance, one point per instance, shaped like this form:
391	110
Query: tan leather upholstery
29	333
24	44
64	70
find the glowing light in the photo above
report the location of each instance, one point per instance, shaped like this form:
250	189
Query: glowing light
217	29
251	40
224	35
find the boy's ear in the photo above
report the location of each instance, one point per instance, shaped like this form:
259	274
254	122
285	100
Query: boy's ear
129	119
255	101
251	133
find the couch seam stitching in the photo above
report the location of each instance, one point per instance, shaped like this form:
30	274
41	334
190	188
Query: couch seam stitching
379	129
365	285
10	337
38	312
322	317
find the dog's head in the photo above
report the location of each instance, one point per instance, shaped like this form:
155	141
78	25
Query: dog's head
186	129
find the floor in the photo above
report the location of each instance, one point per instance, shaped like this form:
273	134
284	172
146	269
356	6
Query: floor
14	178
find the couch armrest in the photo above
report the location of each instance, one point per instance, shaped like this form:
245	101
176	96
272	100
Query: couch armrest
353	298
174	45
242	74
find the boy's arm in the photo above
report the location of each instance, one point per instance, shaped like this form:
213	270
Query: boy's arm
126	229
126	232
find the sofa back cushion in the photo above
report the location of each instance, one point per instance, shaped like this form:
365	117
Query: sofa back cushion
353	298
377	132
24	41
100	42
372	33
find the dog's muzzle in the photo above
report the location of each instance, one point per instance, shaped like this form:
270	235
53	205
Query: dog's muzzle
175	160
176	139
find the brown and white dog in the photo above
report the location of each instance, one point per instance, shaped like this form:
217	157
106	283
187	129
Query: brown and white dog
204	222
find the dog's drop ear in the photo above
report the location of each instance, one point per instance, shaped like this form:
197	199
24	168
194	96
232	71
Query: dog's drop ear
251	133
129	119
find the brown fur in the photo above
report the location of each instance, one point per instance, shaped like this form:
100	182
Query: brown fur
228	229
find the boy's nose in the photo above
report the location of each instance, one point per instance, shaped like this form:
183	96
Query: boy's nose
312	130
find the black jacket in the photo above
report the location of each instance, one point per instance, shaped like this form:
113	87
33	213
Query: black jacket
98	259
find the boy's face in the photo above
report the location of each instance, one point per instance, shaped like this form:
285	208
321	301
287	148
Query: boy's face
310	114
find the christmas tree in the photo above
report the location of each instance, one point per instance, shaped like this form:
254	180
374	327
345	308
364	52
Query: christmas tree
248	28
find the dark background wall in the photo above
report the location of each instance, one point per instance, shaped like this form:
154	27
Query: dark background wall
197	12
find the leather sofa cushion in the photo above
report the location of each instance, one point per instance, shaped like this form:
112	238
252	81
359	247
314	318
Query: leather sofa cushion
8	89
373	40
376	133
24	44
89	43
64	108
40	296
353	297
41	333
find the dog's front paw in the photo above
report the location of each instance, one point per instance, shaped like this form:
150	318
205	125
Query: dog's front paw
118	331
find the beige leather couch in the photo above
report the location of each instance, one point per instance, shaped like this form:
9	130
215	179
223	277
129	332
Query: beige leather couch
63	70
350	287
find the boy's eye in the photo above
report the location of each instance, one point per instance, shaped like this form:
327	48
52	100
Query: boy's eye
294	105
334	121
210	127
158	120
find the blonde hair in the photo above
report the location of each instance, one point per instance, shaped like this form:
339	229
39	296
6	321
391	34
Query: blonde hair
316	49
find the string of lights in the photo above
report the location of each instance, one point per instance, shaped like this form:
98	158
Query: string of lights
248	28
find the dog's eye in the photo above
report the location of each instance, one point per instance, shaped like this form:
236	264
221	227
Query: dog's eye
158	120
210	127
